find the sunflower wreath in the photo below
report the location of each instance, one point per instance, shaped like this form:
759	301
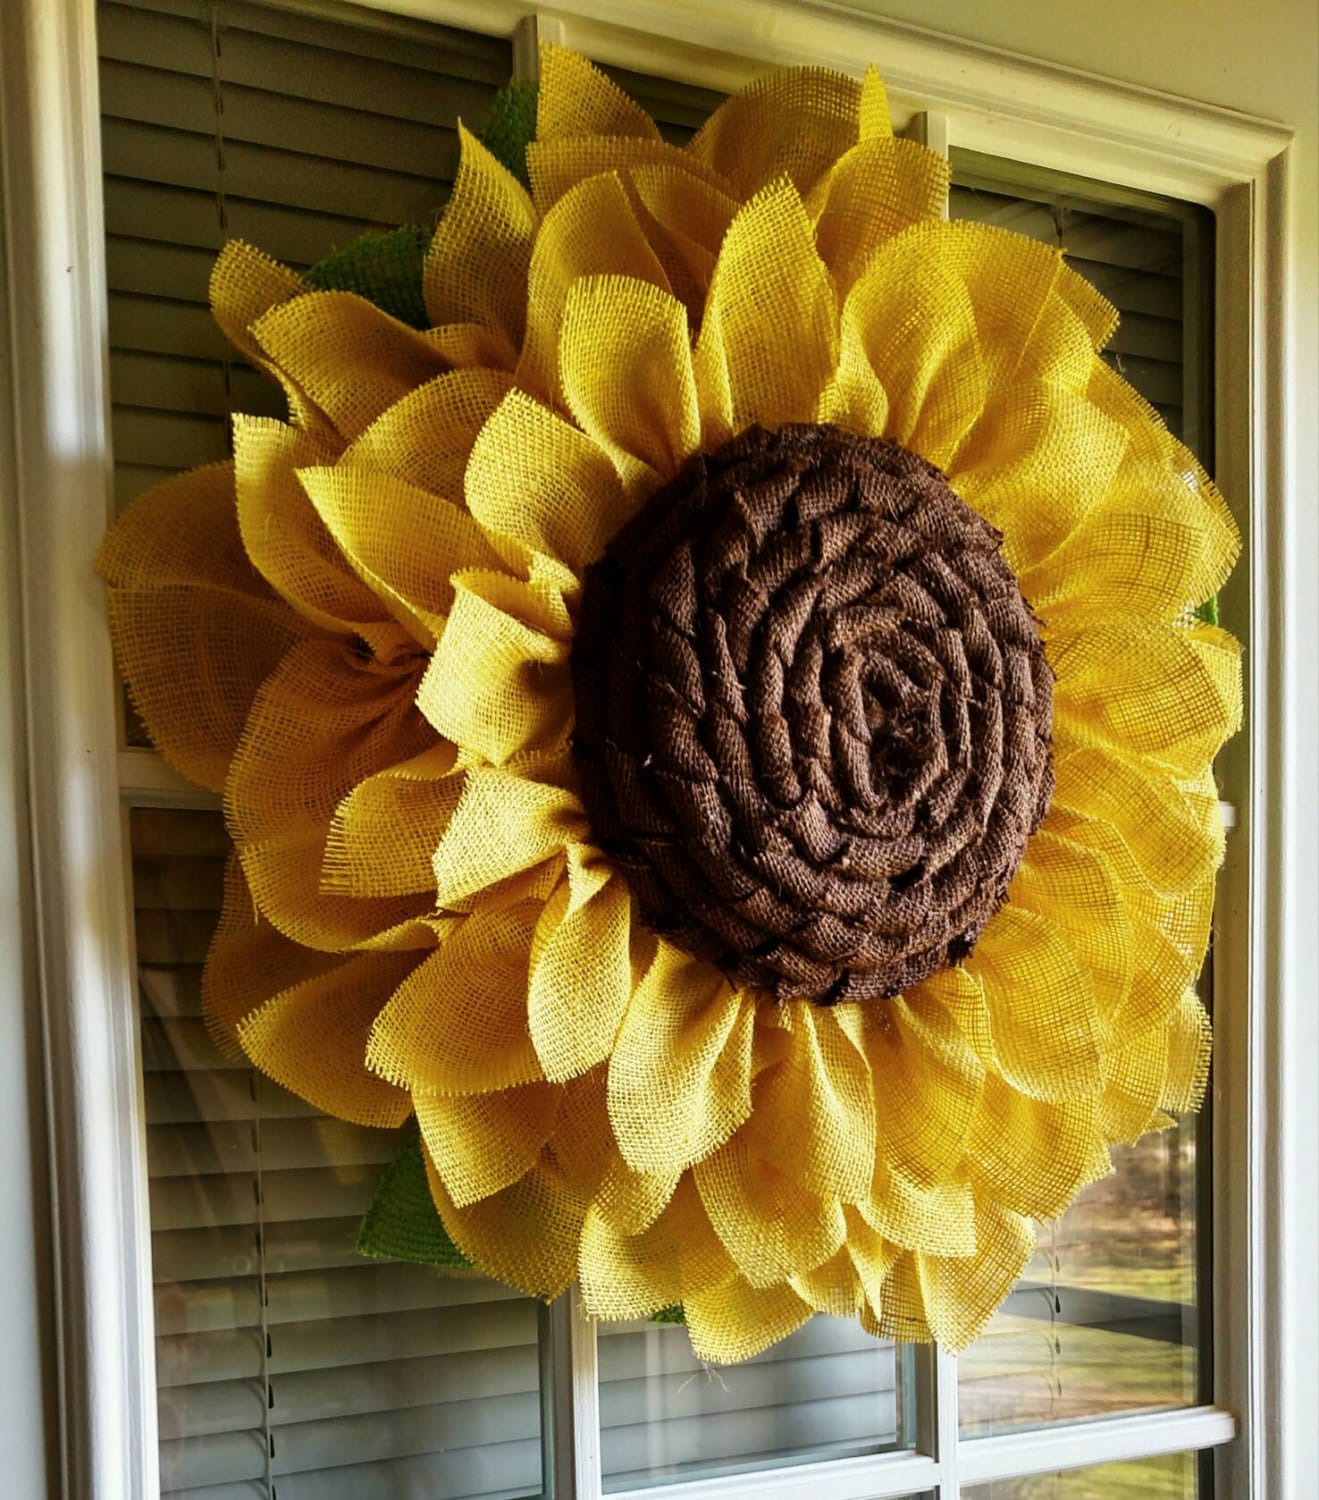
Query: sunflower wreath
711	716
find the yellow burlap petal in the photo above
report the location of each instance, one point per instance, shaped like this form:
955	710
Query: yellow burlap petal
1151	441
471	346
576	98
480	1144
590	231
910	366
872	108
832	1288
1095	312
476	267
735	1321
1189	1042
556	166
196	630
1061	350
383	834
404	543
581	968
282	534
873	1258
1174	833
1169	692
680	1073
426	438
878	188
795	123
814	1114
497	684
506	821
286	538
938	1219
770	1225
768	346
1151	547
527	1235
629	1201
1041	1007
1033	1157
537	485
1077	889
312	1038
323	722
459	1023
685	219
351	359
300	1016
927	1082
1043	459
248	962
625	364
1009	279
675	1258
961	1293
246	283
1135	1081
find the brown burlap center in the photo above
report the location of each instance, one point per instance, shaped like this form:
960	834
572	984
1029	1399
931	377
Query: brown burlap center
813	714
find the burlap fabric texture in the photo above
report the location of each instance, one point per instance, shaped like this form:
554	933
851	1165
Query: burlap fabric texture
363	631
813	714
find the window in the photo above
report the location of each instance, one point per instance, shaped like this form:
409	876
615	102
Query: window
279	1359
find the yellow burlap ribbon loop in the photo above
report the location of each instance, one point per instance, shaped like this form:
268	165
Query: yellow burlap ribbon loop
361	631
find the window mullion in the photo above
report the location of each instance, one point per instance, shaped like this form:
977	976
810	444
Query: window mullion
584	1395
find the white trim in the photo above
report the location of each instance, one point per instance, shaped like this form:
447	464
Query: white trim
870	1478
1008	106
1080	1444
56	345
585	1396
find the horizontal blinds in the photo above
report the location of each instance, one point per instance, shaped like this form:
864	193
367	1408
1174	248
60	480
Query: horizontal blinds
295	132
287	1365
828	1391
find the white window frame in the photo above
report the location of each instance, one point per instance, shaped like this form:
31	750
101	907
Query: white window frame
58	480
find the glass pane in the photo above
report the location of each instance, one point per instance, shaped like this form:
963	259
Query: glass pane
828	1391
1105	1318
1173	1477
285	1362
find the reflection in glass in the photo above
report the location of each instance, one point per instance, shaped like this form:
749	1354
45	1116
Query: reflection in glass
285	1363
1171	1477
828	1391
1105	1318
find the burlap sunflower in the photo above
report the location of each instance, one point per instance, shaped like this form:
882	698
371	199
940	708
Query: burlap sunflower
715	724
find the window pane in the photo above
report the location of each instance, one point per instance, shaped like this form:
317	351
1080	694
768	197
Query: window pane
1173	1477
283	1359
1106	1317
828	1391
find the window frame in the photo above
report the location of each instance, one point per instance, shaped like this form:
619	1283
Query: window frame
56	483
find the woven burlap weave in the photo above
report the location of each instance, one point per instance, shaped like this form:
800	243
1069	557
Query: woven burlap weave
363	631
813	715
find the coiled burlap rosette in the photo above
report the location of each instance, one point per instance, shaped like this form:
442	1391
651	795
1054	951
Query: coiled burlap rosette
715	724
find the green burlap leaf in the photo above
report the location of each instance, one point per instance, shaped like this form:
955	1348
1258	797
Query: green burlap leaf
669	1315
402	1223
1207	613
383	268
511	126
